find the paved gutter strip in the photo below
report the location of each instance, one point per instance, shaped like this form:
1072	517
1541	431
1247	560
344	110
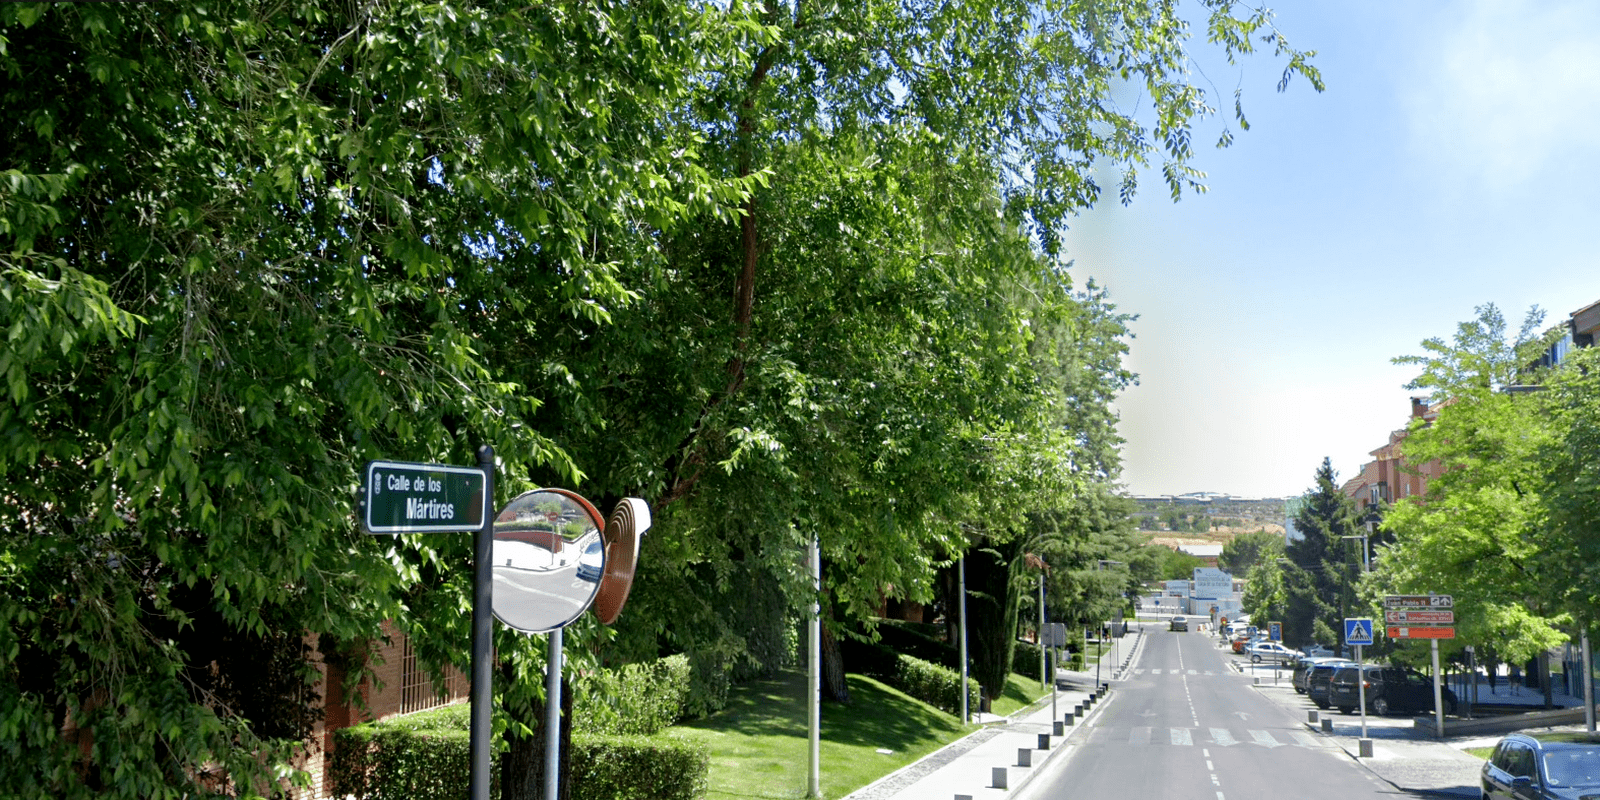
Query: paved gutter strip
891	784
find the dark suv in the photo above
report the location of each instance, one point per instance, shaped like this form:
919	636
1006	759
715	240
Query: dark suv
1304	667
1319	679
1389	690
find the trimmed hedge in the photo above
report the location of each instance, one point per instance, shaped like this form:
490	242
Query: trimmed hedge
935	685
425	756
1025	659
638	768
633	699
421	755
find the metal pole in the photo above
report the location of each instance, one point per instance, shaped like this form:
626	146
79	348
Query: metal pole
961	572
552	719
1438	693
1588	684
1361	690
1042	658
480	721
814	668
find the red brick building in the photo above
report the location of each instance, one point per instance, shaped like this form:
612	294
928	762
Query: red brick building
1388	477
405	688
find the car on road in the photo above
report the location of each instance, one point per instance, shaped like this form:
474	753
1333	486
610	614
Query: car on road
1540	766
1178	624
1272	651
1389	690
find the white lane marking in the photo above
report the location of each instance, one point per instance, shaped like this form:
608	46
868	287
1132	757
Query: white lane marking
1264	738
1305	739
1205	751
1181	736
1193	672
1155	672
1139	736
1222	737
1208	765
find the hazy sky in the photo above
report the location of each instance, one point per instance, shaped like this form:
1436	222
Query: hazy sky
1454	160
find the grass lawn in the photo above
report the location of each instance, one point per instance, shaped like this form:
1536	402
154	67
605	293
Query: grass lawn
1480	752
758	743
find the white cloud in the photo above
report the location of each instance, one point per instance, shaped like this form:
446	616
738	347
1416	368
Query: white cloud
1507	91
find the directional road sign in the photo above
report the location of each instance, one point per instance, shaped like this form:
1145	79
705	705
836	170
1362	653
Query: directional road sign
1411	617
403	497
1413	632
1418	601
1358	631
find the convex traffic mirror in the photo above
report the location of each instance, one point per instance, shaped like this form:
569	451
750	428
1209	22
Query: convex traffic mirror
548	559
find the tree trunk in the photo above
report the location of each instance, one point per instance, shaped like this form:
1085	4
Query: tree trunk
522	764
834	687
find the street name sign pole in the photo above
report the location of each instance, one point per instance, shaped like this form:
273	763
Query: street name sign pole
407	497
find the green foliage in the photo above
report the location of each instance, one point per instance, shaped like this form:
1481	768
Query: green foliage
1481	533
424	756
937	686
1025	658
246	248
639	768
1242	553
1177	565
1319	581
633	699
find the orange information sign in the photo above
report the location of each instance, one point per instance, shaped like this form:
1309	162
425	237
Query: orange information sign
1413	632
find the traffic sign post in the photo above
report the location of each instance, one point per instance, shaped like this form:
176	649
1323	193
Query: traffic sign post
1423	616
1358	631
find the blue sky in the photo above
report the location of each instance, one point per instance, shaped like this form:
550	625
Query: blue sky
1454	160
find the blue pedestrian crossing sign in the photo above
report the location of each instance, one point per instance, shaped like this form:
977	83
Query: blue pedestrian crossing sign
1358	631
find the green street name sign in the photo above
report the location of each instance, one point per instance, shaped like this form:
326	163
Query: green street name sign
402	497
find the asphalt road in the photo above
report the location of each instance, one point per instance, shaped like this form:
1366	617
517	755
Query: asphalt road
1184	726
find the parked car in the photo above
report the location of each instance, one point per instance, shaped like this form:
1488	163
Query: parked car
1388	690
1320	681
1545	765
1272	651
1318	650
1303	667
1242	644
1178	624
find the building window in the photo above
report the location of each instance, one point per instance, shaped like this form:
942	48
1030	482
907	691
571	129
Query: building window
416	688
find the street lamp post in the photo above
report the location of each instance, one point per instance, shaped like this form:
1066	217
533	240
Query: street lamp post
1100	656
1361	673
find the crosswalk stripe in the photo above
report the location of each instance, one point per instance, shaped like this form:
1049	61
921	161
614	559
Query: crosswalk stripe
1155	672
1192	672
1185	737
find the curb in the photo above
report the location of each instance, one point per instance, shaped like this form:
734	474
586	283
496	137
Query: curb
1065	746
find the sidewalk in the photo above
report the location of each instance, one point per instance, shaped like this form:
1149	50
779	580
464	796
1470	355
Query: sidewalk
970	766
1404	755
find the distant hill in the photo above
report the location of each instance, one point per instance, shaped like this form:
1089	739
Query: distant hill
1209	515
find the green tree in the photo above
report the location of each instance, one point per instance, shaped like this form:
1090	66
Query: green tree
1265	595
246	248
1319	580
1480	534
1242	553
